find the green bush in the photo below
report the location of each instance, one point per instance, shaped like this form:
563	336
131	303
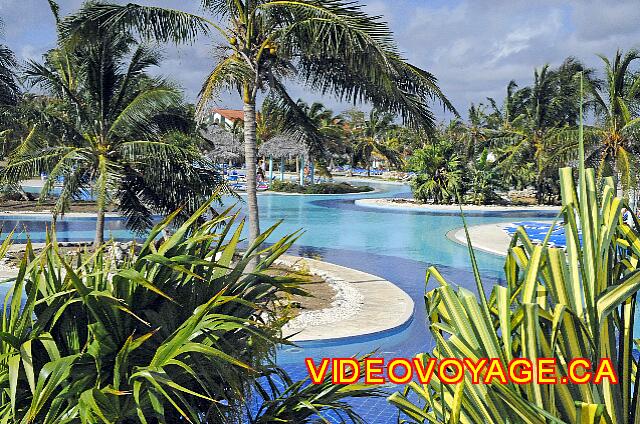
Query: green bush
321	188
181	331
286	187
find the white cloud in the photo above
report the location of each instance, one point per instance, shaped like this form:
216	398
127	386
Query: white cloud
474	47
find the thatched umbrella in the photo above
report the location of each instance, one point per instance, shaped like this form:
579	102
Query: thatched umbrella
284	146
223	145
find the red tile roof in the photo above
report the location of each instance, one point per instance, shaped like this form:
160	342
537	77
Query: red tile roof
230	114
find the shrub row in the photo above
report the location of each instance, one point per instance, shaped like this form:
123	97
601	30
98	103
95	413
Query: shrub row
322	188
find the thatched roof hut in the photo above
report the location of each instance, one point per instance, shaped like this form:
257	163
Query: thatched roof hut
287	146
222	144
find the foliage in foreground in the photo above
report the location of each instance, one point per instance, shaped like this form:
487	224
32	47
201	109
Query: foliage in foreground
555	304
181	332
321	188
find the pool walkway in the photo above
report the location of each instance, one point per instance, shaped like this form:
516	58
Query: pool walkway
383	307
409	205
490	238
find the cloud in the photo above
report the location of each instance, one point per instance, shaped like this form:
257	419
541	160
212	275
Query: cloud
473	47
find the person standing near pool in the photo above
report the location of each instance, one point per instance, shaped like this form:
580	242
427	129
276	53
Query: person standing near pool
260	171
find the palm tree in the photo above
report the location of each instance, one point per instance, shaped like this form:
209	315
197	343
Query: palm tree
8	85
614	103
371	136
269	122
611	143
536	118
9	95
327	139
474	133
330	46
110	128
9	89
439	172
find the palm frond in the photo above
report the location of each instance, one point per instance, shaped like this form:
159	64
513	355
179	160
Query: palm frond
138	115
160	23
228	74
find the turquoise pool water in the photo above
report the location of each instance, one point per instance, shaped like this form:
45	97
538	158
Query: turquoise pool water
396	245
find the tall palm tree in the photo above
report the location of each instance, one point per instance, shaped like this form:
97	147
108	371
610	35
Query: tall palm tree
110	128
9	95
535	119
270	121
612	143
9	89
330	46
474	133
614	103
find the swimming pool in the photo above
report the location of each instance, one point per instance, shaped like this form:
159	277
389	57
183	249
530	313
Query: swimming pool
396	245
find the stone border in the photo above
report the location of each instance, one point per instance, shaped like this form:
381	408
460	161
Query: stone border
7	271
380	306
48	213
388	204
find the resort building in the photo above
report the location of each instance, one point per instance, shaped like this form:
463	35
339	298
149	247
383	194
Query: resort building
226	116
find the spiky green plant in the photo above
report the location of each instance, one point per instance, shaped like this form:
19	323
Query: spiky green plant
556	303
183	331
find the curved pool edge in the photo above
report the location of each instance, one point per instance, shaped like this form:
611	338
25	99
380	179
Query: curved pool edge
488	238
468	210
385	308
49	214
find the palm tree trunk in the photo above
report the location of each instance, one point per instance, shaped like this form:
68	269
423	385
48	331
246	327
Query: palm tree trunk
101	190
539	190
250	161
618	179
99	240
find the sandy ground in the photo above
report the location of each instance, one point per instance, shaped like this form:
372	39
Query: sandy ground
321	293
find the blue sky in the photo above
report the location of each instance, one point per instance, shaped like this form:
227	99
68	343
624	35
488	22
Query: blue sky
474	47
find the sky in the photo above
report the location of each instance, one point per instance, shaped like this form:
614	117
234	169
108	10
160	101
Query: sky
473	47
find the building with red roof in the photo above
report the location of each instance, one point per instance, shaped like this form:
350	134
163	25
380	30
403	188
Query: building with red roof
226	116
